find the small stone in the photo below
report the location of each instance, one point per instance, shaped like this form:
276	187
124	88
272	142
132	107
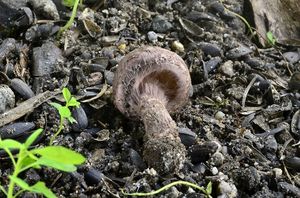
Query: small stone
277	172
177	46
227	189
217	159
220	115
152	36
122	47
292	57
46	59
109	76
271	144
7	98
227	68
238	52
210	49
214	170
161	25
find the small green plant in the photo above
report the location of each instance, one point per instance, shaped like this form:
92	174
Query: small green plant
64	111
74	4
271	38
57	157
207	191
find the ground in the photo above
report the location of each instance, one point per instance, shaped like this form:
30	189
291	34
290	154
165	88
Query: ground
240	126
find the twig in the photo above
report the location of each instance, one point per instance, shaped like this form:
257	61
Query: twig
25	107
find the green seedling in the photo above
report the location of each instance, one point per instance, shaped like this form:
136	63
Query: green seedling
271	38
57	157
64	111
207	191
74	4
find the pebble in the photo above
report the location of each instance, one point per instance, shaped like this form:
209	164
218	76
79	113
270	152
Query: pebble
187	136
217	159
212	64
46	59
238	52
210	49
271	144
289	189
152	36
227	68
177	46
277	172
292	57
161	25
254	62
214	170
7	98
220	115
228	190
109	77
81	118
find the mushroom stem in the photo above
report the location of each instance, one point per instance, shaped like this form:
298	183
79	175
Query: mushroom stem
163	149
157	121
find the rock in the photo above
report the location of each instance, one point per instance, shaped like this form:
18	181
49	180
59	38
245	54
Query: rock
277	172
210	49
161	24
238	52
46	59
214	170
289	189
271	144
286	28
187	136
45	8
212	64
220	115
109	76
7	98
227	68
152	36
217	159
292	57
177	46
227	189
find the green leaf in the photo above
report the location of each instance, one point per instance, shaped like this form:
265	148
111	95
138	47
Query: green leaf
68	3
20	183
209	188
73	102
32	137
10	144
67	94
60	154
56	164
72	120
28	161
64	112
271	38
40	187
55	105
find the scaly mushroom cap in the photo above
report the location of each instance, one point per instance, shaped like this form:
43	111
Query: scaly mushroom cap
147	66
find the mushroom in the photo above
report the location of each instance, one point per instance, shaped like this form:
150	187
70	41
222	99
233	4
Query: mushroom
150	83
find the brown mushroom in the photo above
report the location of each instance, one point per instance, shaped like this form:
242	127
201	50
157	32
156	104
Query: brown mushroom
150	83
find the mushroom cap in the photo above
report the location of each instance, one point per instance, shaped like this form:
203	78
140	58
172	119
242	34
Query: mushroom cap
151	65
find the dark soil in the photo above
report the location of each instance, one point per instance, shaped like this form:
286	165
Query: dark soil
240	127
